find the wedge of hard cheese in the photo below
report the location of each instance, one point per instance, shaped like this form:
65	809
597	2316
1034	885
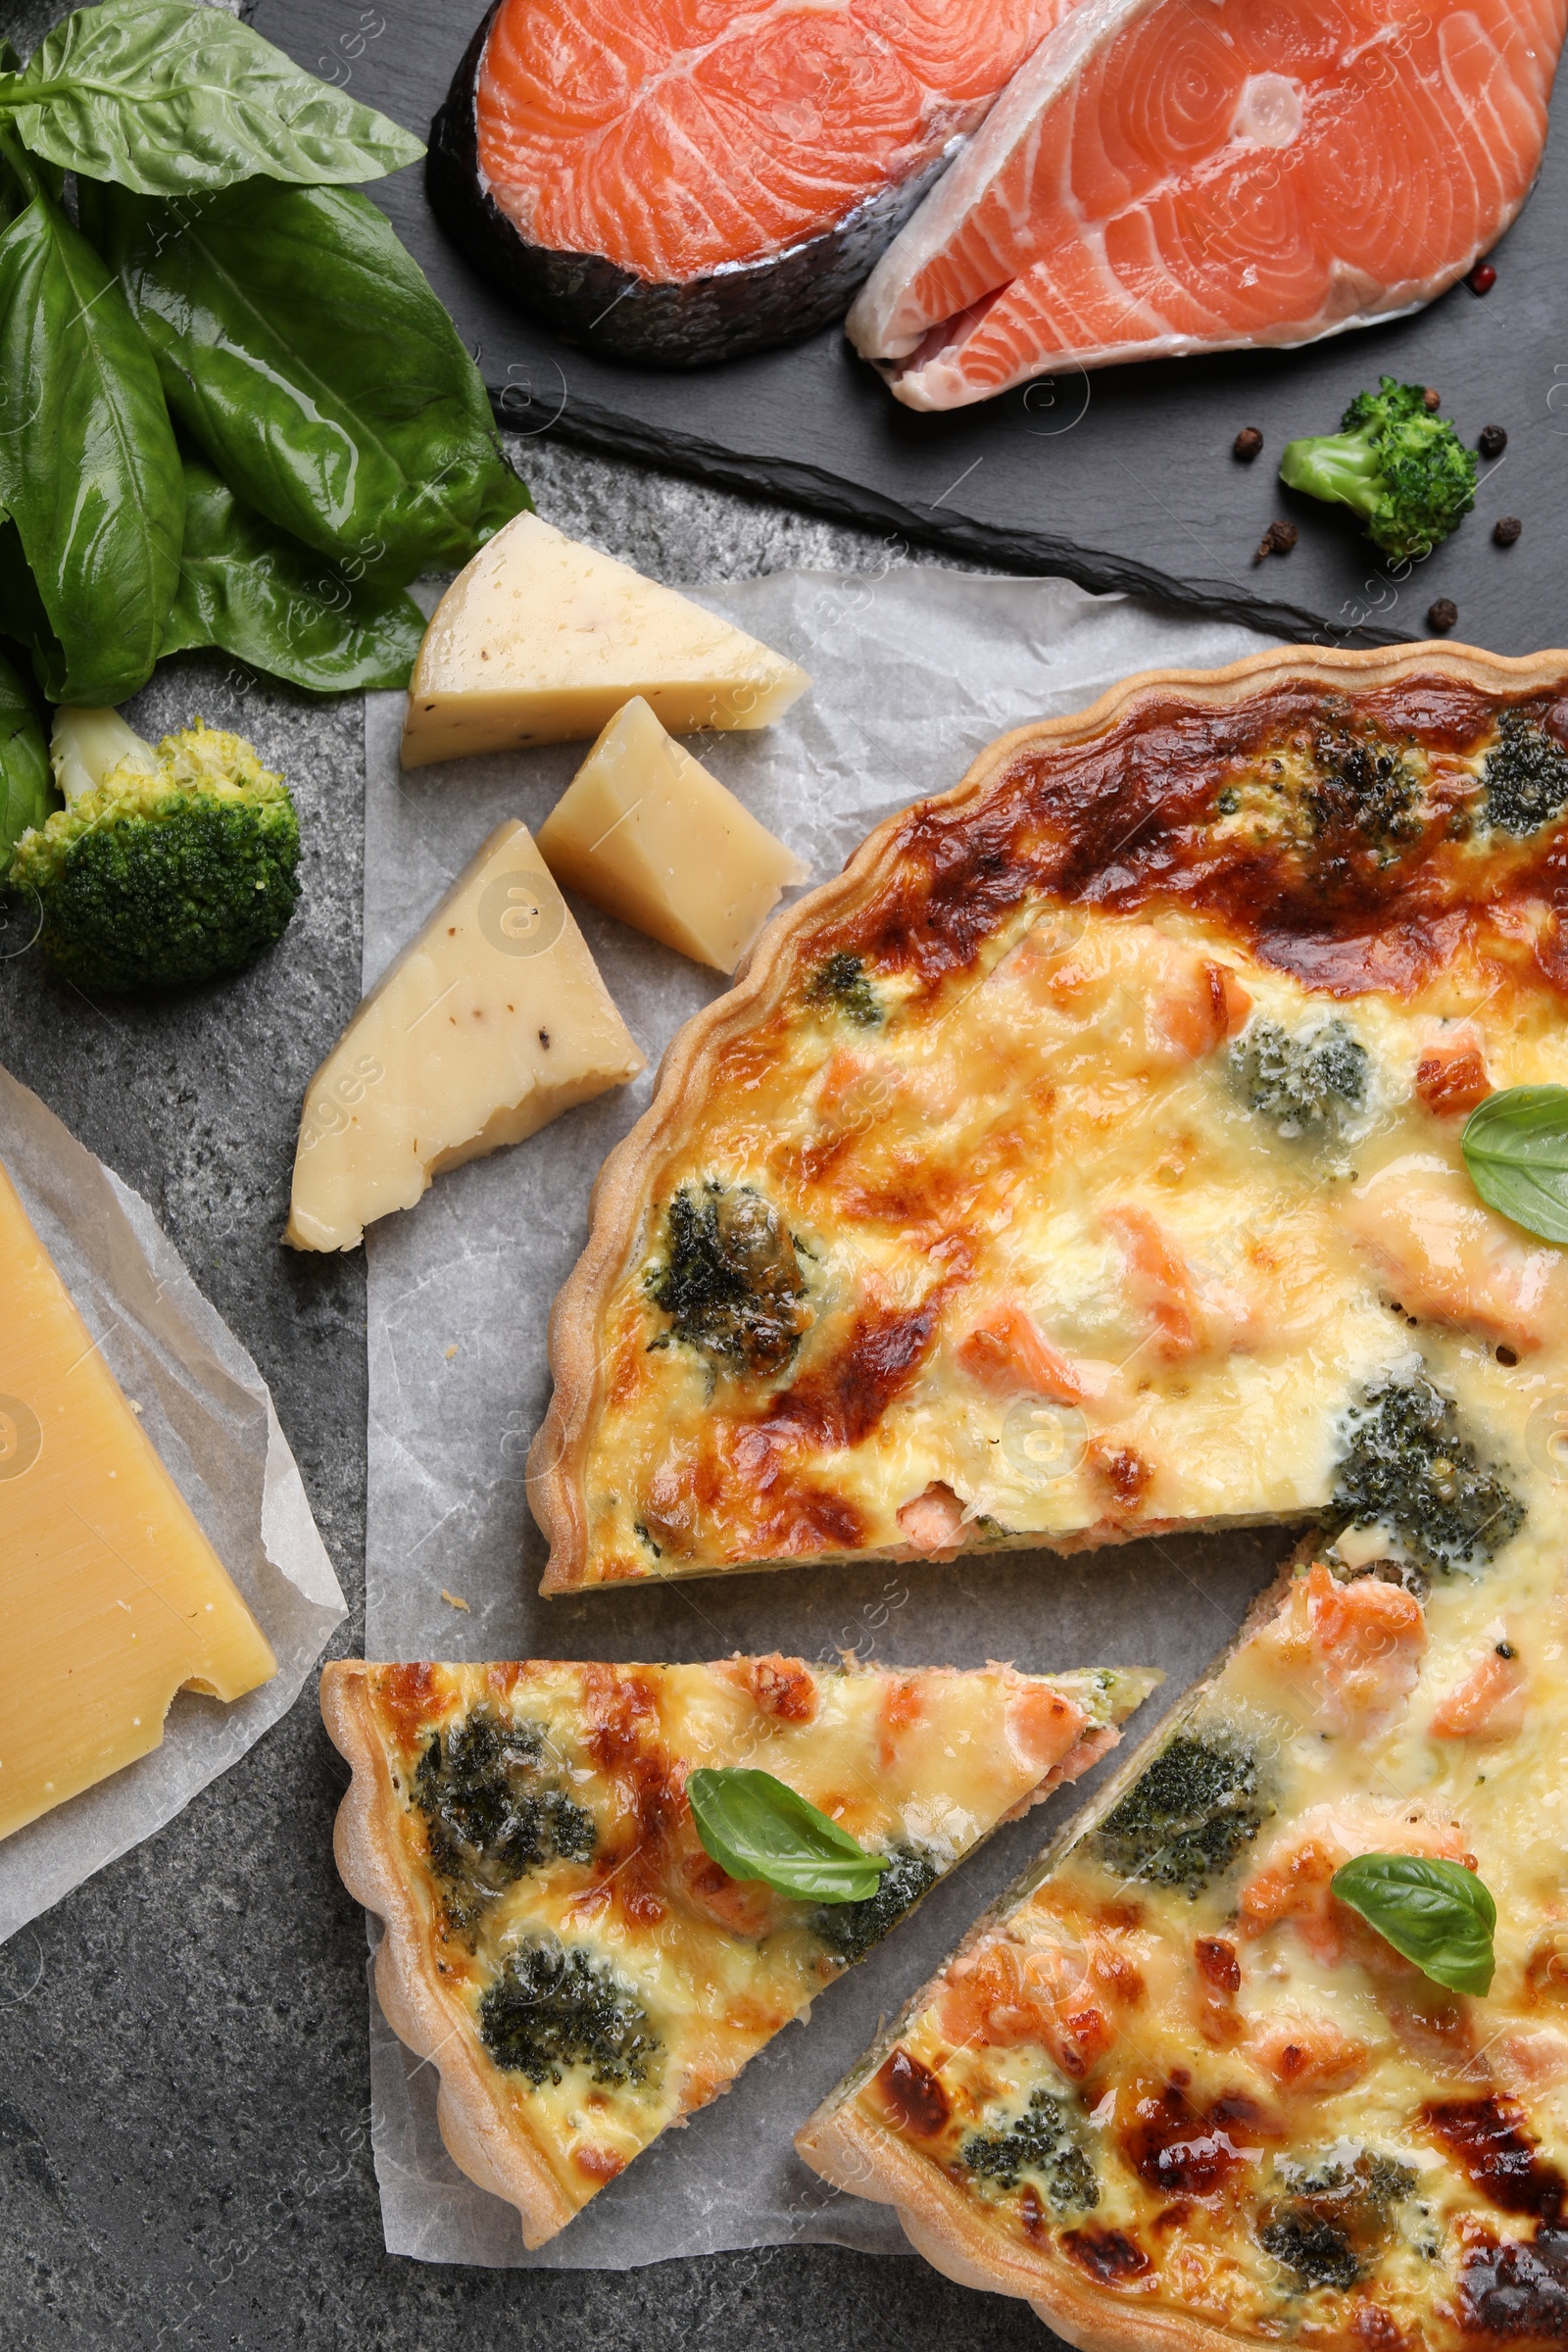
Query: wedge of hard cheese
541	640
490	1023
110	1597
649	835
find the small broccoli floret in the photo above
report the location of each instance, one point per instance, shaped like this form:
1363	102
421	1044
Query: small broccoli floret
1363	786
842	982
163	867
1318	2252
731	1281
849	1929
1402	469
1409	1467
1336	2214
1041	2142
555	2006
1303	1084
1188	1817
1525	775
491	1814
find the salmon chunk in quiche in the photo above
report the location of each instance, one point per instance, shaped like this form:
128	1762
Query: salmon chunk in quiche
561	1942
1085	1161
1180	2088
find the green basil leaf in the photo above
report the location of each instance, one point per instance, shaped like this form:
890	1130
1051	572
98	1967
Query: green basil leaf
89	470
26	787
249	589
1515	1145
166	95
22	617
756	1827
305	353
1438	1914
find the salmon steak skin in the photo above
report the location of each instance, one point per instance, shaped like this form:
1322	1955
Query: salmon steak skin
1159	180
679	184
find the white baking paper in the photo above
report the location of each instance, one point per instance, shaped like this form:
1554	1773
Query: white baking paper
913	672
208	1412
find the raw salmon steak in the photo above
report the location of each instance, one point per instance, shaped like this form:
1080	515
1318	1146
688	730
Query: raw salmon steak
1161	179
679	180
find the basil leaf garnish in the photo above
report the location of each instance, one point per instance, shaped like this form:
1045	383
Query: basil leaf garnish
756	1827
166	96
1515	1145
26	791
1438	1914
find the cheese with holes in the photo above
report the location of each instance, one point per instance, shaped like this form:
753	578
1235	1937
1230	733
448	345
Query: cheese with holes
541	640
491	1022
625	831
110	1597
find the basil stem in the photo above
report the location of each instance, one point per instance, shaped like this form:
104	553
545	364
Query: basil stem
755	1827
245	586
27	788
89	472
1515	1146
306	353
166	96
1438	1914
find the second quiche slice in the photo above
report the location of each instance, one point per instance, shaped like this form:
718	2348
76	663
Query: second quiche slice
1084	1161
558	1939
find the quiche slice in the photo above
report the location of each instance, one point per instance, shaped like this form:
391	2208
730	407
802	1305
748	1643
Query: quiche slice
1085	1159
1177	2091
559	1941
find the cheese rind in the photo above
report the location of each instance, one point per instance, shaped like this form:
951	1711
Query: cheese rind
647	834
491	1022
541	640
110	1597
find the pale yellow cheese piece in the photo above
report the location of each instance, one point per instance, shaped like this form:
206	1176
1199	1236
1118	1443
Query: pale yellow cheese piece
541	640
110	1597
491	1022
647	834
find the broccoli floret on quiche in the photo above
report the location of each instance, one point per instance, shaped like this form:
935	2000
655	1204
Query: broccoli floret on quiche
1303	1085
849	1929
1525	775
1408	1466
1039	2142
1189	1816
842	983
556	2006
1334	2216
491	1813
1317	2251
730	1281
1363	786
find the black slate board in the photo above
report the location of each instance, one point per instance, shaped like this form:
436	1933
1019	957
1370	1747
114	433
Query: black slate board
1122	479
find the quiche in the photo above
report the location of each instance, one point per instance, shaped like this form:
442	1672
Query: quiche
1177	2091
560	1941
1084	1161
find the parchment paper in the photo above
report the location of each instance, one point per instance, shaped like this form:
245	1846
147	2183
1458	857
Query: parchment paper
914	672
208	1412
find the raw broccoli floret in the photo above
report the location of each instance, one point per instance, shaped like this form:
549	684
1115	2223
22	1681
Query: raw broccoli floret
1041	2142
1303	1084
491	1812
1409	1467
730	1280
842	982
1402	469
1189	1816
555	2006
850	1929
1525	775
164	867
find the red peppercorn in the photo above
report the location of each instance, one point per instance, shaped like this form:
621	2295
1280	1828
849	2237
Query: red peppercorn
1431	400
1482	278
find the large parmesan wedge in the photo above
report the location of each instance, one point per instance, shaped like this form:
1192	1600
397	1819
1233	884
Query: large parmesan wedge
110	1597
647	834
489	1024
541	640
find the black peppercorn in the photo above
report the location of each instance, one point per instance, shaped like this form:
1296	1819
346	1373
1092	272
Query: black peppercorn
1276	540
1506	529
1431	400
1247	444
1493	442
1441	615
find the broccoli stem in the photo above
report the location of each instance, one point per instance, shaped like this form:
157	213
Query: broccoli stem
1343	468
86	744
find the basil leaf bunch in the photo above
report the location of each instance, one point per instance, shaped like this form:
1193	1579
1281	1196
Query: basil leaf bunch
756	1827
1438	1914
1515	1146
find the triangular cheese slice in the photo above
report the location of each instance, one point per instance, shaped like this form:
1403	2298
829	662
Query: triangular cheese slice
1085	1161
491	1022
541	640
560	1945
110	1597
1174	2090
